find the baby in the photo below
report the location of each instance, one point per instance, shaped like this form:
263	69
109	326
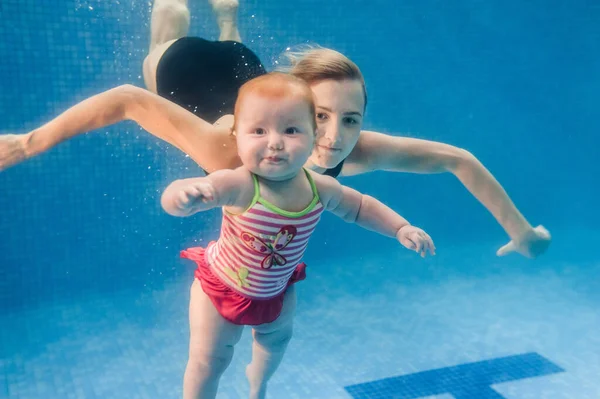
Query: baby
271	205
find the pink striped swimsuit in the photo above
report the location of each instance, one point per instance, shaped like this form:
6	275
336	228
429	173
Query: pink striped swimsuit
257	256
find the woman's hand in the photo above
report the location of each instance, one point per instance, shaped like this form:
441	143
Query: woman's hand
531	245
12	149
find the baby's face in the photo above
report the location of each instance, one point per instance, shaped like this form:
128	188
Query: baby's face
275	136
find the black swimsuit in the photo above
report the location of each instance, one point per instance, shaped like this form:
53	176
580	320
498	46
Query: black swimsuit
335	171
204	77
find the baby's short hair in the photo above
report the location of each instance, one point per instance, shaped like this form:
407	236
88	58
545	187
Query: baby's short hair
277	85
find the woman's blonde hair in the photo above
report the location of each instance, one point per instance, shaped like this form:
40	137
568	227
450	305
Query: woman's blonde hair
313	64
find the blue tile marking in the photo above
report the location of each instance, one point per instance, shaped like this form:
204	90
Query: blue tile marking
467	381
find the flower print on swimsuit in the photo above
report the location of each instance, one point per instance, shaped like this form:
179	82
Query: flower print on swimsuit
240	277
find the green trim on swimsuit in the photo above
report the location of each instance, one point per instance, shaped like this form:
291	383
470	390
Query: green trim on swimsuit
283	212
254	199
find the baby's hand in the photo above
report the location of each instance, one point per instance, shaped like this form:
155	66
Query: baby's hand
416	239
195	197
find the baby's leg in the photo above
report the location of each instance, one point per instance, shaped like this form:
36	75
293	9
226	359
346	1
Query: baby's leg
268	348
226	13
212	339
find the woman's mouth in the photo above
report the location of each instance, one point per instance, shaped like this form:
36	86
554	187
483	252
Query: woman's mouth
329	149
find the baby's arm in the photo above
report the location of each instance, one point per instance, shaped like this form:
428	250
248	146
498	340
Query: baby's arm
228	188
371	214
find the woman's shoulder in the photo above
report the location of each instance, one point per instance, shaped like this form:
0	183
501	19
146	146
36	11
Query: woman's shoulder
368	148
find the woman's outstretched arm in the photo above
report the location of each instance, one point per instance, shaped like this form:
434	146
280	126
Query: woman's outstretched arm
376	151
212	147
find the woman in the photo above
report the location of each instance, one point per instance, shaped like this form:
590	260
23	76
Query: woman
203	78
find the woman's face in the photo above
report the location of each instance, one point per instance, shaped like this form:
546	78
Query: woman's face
340	107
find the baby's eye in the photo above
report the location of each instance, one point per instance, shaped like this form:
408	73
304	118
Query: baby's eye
291	130
259	131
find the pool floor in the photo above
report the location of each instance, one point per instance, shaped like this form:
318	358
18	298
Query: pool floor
461	325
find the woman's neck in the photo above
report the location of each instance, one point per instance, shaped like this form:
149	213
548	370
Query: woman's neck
310	165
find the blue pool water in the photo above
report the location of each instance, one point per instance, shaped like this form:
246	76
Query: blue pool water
94	297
